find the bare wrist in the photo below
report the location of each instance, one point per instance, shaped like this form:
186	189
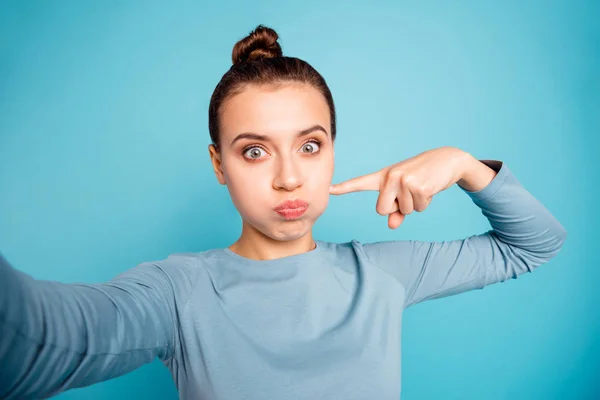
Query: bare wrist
476	175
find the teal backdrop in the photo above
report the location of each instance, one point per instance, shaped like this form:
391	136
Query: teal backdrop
104	161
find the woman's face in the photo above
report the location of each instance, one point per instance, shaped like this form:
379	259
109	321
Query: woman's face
276	147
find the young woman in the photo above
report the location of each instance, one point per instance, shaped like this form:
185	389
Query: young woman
278	314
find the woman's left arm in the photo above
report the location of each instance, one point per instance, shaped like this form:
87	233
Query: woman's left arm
524	233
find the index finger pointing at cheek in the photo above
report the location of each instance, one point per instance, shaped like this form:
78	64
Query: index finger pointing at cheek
362	183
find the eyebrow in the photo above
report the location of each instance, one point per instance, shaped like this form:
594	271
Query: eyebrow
256	136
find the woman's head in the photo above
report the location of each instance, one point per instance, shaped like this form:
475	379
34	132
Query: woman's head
272	125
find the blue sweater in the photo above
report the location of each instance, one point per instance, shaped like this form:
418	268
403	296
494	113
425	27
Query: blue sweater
325	324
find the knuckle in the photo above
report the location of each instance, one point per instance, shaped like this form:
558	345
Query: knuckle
420	190
394	173
409	181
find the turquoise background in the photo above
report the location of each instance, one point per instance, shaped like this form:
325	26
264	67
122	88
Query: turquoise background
104	161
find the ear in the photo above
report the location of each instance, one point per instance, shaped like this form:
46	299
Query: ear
215	159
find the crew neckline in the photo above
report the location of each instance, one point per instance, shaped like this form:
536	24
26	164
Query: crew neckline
277	261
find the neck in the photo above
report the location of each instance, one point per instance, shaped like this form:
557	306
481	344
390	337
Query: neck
255	245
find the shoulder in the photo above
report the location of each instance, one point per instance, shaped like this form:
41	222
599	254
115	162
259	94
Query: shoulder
177	272
189	266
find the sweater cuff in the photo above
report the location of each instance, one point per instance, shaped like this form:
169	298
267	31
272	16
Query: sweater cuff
502	172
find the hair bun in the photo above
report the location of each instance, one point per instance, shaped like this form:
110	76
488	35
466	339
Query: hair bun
261	43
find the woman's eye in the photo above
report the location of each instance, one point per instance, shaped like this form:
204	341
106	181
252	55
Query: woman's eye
254	153
310	147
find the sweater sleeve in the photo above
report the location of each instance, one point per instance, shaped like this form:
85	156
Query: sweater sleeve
56	336
524	235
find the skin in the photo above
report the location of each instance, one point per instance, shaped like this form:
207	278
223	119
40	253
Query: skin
287	168
410	185
260	173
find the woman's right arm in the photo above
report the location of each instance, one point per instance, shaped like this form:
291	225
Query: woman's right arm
55	336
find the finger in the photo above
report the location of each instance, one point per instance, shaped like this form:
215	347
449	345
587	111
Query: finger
395	219
421	204
386	202
405	200
365	182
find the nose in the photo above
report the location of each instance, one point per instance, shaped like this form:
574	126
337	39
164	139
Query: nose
288	175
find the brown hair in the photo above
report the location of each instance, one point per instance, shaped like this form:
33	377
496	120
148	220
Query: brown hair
258	59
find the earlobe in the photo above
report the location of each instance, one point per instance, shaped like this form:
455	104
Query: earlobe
215	159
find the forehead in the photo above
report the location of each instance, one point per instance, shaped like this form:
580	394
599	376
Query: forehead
274	110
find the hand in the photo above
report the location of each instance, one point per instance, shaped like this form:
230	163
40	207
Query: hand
411	184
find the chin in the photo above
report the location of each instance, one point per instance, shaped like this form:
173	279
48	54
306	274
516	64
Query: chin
289	235
284	231
290	230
